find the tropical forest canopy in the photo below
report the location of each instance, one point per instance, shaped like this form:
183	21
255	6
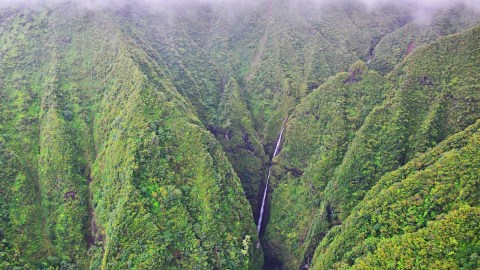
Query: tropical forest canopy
140	135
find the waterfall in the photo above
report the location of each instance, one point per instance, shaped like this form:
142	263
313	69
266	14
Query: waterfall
259	226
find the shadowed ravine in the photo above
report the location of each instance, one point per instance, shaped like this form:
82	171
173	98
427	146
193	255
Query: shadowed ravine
275	153
144	136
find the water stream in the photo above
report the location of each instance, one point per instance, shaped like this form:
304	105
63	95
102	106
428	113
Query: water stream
260	218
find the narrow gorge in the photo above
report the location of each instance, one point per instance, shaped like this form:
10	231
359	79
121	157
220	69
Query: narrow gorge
267	182
271	134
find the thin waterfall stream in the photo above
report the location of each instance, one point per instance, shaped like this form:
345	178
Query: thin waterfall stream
275	153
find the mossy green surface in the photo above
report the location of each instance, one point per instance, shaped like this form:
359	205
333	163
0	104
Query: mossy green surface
140	139
104	163
429	96
429	207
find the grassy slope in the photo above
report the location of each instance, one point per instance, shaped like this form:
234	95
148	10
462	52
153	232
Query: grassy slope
97	102
272	51
326	121
182	43
23	225
415	116
305	45
104	120
392	48
433	198
435	93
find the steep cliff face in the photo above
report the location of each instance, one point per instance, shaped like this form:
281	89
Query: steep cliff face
393	48
303	46
102	157
429	96
274	52
317	137
135	138
428	207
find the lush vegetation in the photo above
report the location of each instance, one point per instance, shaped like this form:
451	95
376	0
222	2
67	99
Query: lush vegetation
429	207
426	98
102	157
133	138
393	47
326	121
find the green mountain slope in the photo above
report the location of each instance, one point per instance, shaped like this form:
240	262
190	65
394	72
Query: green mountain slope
430	95
141	138
105	158
182	46
393	47
302	46
273	51
434	198
326	121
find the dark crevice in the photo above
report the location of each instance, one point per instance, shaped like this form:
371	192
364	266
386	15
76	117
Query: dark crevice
294	171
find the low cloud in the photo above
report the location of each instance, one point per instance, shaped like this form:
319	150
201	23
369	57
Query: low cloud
419	8
424	9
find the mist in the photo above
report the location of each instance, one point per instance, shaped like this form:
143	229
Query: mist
369	4
423	11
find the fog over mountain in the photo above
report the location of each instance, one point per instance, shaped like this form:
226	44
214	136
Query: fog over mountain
239	134
422	10
416	5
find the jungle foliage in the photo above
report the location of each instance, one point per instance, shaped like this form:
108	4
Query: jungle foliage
133	138
431	95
